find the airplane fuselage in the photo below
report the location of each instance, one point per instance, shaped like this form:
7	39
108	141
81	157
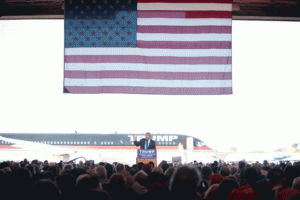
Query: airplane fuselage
99	141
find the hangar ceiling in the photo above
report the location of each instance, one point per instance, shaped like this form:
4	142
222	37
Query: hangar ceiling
266	10
274	10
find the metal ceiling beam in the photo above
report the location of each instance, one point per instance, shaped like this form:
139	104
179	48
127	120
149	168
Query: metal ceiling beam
252	18
269	10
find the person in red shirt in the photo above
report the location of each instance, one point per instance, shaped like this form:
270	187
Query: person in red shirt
246	192
216	177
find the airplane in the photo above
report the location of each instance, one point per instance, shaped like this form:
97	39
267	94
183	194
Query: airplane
280	154
98	147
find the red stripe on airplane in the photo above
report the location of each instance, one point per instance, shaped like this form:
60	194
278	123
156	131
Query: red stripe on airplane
8	147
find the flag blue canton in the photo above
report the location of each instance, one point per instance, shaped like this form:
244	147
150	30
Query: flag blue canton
100	23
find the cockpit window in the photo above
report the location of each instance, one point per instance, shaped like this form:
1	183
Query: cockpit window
200	144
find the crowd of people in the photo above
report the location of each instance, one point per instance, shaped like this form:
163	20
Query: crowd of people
116	181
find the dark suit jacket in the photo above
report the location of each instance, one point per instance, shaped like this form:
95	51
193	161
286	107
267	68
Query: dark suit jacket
141	143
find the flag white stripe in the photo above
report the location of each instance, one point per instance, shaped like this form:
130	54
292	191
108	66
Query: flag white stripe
185	6
145	67
183	22
149	52
148	83
183	37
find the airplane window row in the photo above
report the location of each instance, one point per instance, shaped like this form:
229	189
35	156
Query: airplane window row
75	142
62	142
86	142
164	143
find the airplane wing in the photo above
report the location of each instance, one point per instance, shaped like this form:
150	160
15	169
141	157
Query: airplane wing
25	145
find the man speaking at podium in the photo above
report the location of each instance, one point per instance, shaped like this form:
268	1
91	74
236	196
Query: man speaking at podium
146	143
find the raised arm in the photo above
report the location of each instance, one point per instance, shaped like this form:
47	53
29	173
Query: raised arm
135	142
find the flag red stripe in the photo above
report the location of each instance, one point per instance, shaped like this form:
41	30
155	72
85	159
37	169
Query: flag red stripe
162	14
146	59
184	14
148	90
149	75
184	29
208	14
184	45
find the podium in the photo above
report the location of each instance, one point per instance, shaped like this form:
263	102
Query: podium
146	155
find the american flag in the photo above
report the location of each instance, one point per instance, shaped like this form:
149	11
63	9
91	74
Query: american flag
173	47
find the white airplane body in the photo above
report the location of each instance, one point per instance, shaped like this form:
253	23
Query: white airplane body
97	147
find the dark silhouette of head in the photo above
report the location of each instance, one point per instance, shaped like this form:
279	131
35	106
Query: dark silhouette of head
184	183
225	188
